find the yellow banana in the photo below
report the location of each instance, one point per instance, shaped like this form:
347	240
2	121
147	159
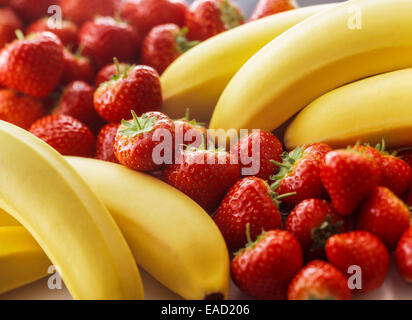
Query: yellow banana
197	78
73	227
22	261
367	110
345	43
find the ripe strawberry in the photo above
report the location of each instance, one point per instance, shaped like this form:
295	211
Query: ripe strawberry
249	201
9	23
396	175
204	175
31	10
406	155
146	14
403	255
363	249
300	173
39	61
265	268
108	72
384	215
256	150
266	8
313	222
189	132
20	110
319	150
349	176
67	135
67	33
319	280
136	140
163	45
207	18
104	38
80	11
137	89
76	67
105	143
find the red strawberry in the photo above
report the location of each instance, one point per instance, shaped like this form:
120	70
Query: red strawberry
313	222
9	23
105	143
137	89
319	280
146	14
265	268
105	38
362	249
266	8
67	135
39	61
349	176
81	11
204	175
299	173
249	201
403	255
76	67
108	72
136	140
319	150
163	45
189	132
406	155
77	102
256	150
67	32
384	215
207	18
20	110
396	175
31	10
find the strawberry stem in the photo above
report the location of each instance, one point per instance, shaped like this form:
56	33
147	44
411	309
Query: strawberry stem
19	34
138	125
182	43
248	237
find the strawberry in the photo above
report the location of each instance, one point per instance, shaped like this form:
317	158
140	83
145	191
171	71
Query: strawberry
299	173
137	89
105	143
108	72
31	10
67	33
76	67
204	175
384	215
32	65
77	102
313	222
104	38
319	280
207	18
249	201
80	11
266	8
146	14
67	135
136	140
403	255
406	155
20	110
163	45
9	23
265	268
258	149
362	249
189	132
319	150
349	176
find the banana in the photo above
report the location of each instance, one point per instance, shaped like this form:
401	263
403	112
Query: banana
367	110
73	227
197	78
342	44
22	261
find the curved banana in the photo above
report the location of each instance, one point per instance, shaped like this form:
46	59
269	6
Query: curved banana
171	236
197	78
345	43
367	110
75	230
22	261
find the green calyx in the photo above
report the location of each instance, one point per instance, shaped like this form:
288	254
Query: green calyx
250	243
19	34
276	198
182	43
207	145
193	122
286	166
119	74
138	125
230	15
321	234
